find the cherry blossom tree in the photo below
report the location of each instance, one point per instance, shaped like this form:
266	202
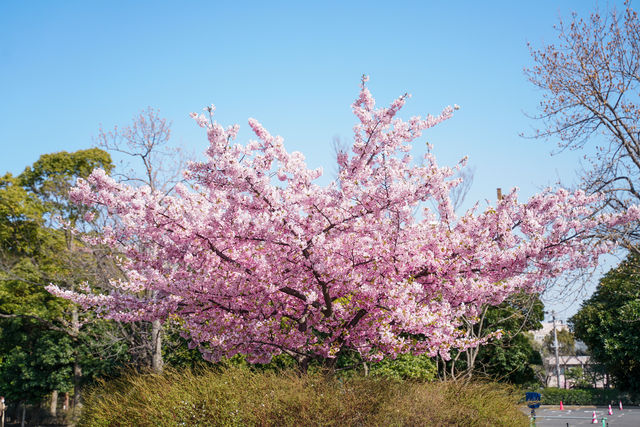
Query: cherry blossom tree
254	257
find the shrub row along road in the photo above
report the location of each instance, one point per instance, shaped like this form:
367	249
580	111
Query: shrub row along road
552	417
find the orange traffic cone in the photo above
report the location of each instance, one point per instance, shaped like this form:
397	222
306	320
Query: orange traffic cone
561	406
594	420
621	405
610	411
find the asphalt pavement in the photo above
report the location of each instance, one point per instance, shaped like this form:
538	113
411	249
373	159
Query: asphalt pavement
552	416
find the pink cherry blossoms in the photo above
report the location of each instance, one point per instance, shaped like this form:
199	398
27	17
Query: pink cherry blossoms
253	257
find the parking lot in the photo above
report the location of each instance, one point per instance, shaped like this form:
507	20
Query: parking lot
581	416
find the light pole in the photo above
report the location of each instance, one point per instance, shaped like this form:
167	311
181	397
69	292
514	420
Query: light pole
555	345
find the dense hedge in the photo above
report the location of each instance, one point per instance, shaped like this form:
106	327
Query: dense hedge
553	396
242	397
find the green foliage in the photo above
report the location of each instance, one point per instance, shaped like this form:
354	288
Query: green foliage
577	377
244	397
566	343
520	312
52	175
46	174
39	342
609	324
405	367
349	364
22	292
279	363
176	352
20	218
512	357
35	360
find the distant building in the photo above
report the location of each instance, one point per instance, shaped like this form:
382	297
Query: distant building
565	362
547	328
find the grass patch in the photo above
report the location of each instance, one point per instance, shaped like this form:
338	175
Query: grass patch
239	396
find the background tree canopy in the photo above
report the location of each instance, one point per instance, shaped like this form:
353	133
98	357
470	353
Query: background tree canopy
46	343
42	346
566	343
609	323
512	357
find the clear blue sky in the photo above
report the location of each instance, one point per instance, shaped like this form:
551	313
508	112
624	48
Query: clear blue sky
68	66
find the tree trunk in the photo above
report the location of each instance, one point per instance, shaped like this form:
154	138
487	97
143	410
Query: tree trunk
441	363
472	355
77	369
54	403
303	364
329	364
77	384
24	414
156	346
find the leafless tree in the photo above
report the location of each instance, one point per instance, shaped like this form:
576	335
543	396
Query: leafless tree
146	158
145	141
590	83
